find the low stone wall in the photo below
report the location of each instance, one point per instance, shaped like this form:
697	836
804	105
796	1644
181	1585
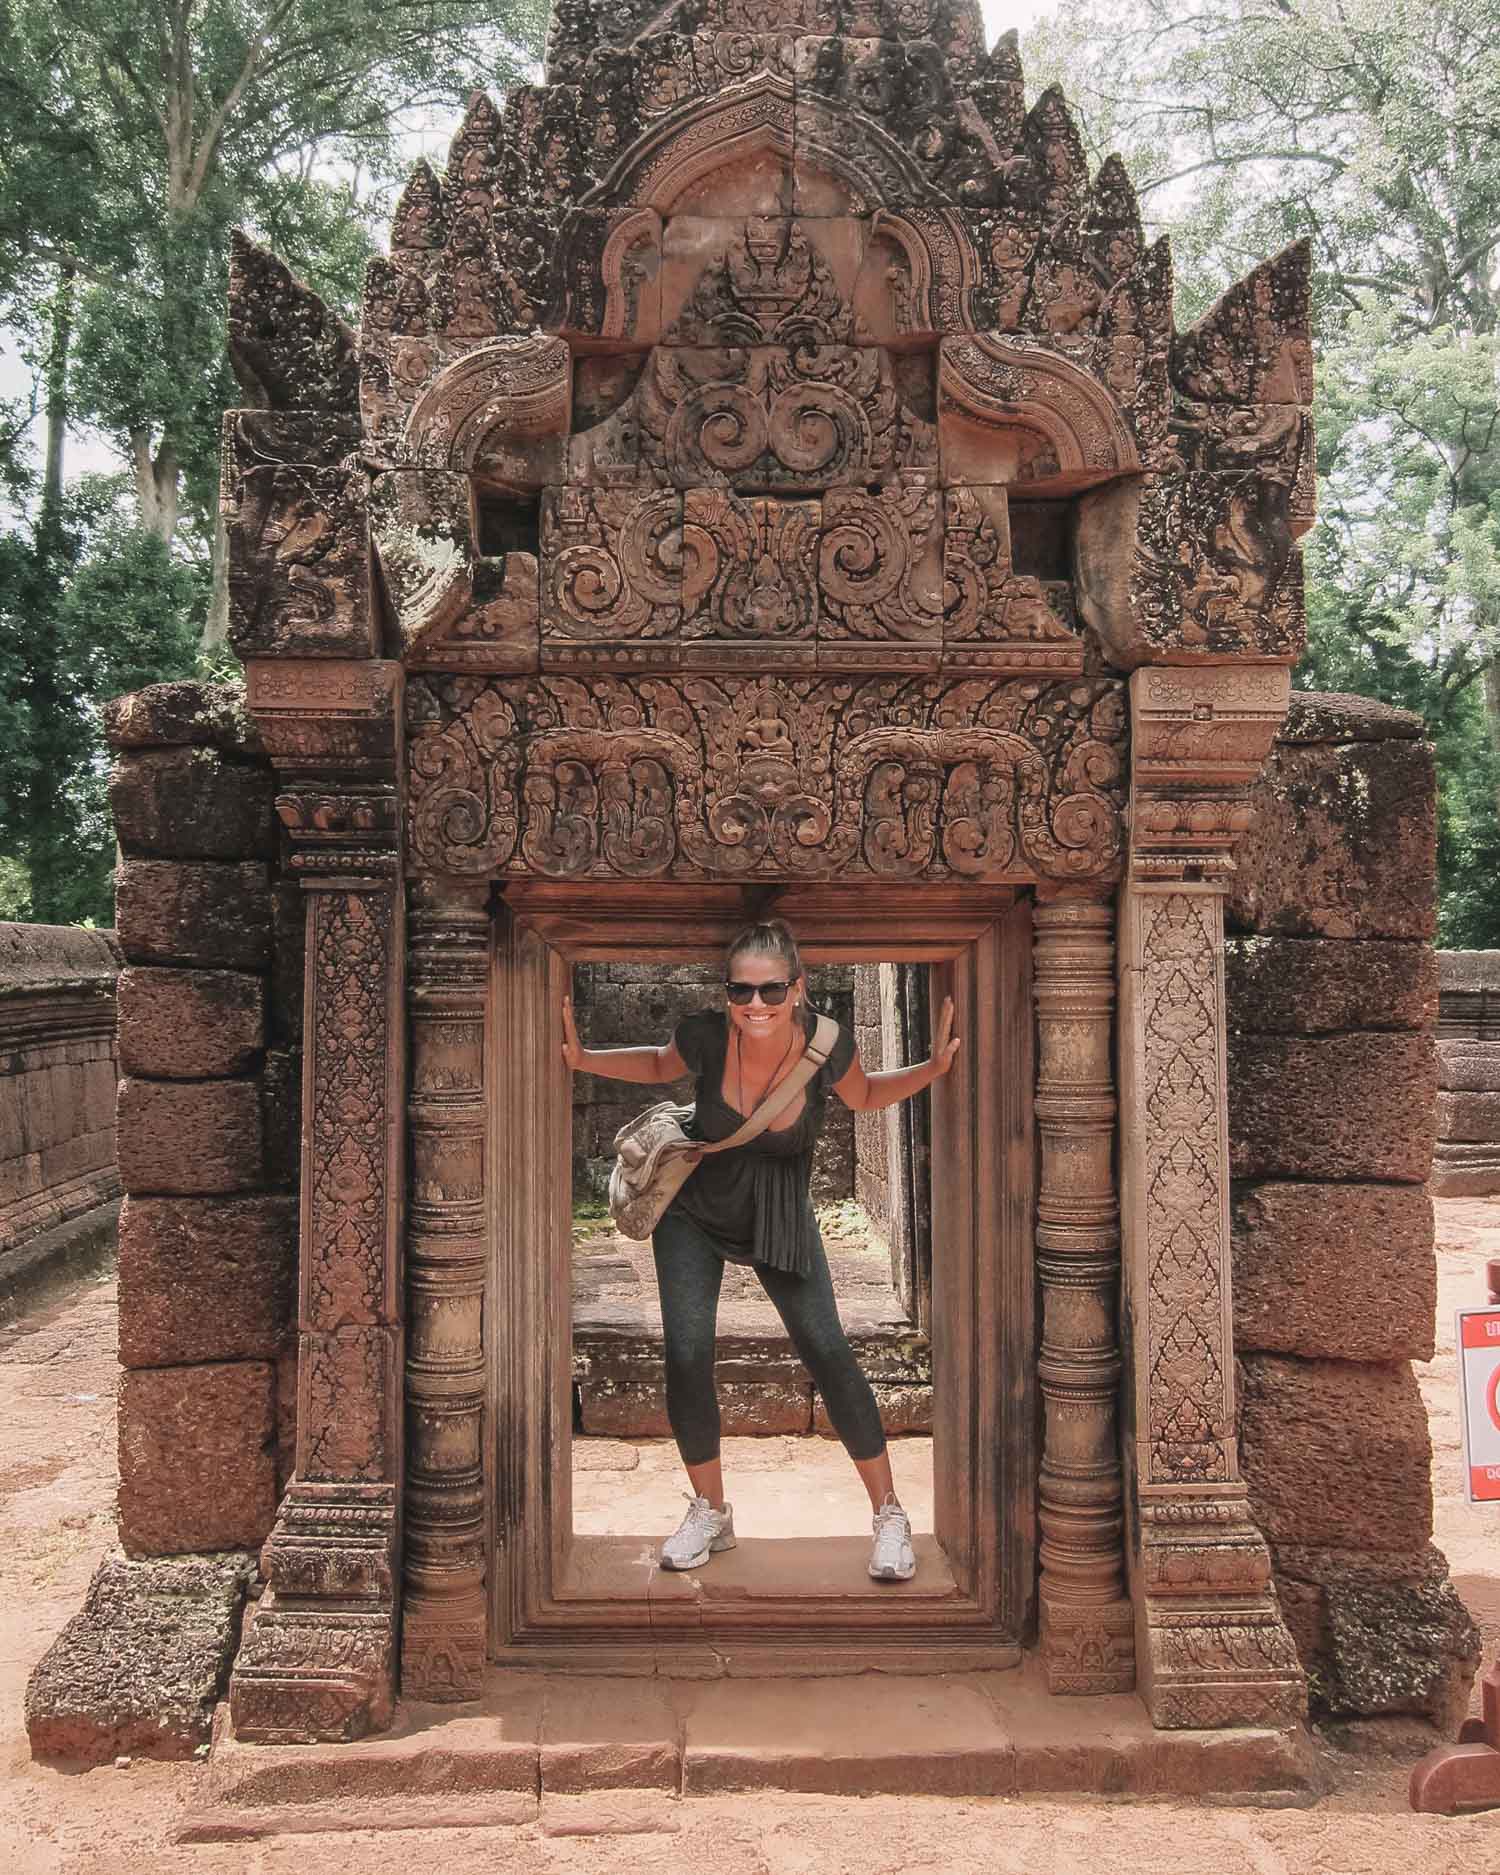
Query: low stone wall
58	1184
209	1040
1332	996
1467	1161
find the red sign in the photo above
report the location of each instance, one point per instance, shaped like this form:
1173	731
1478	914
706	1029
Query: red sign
1479	1380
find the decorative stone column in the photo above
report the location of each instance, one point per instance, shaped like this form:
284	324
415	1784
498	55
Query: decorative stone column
1087	1625
318	1659
1212	1647
443	1619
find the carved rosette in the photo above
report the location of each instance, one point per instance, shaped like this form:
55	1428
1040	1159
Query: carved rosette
1087	1625
1212	1646
443	1621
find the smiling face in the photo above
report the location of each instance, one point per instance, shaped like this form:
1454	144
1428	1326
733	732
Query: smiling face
754	1020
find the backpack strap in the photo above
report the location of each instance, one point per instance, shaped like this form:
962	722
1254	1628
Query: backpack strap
819	1048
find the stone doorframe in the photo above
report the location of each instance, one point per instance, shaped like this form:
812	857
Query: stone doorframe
320	1657
558	1601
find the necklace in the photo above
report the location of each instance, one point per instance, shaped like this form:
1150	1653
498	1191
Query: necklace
739	1070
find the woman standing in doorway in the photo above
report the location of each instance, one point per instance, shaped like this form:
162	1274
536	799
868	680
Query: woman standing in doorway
752	1204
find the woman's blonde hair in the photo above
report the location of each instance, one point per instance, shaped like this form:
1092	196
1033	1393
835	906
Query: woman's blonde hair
771	938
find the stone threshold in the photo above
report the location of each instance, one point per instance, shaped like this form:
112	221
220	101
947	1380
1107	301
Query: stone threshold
616	1755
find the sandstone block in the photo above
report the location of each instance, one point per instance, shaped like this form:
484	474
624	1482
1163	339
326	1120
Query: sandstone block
281	1105
139	1669
193	912
190	1137
189	1024
1354	1106
192	804
1315	986
1468	1116
1343	843
1344	1272
1340	716
179	715
197	1458
1379	1634
1469	1067
1336	1453
205	1279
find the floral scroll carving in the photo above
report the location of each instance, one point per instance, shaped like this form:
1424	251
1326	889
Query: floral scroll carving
1183	1181
798	778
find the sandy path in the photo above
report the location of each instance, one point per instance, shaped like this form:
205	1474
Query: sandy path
57	1382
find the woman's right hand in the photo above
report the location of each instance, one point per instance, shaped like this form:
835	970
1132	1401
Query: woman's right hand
572	1048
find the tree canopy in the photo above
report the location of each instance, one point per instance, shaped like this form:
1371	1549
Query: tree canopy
139	134
1373	128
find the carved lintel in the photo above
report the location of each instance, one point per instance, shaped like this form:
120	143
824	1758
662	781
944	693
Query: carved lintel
443	1647
1087	1637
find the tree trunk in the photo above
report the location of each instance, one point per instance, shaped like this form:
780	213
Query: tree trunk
156	485
1492	715
216	625
46	837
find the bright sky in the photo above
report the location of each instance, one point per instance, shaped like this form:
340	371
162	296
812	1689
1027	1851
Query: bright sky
87	452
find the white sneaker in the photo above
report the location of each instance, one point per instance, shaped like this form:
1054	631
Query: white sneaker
892	1558
702	1532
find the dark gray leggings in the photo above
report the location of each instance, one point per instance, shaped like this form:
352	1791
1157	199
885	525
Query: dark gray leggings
689	1275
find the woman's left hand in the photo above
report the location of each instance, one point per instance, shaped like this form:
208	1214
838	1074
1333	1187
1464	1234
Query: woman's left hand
945	1042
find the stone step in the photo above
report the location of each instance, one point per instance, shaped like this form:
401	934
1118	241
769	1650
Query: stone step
536	1741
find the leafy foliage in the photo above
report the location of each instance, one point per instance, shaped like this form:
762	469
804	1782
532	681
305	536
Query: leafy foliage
1373	128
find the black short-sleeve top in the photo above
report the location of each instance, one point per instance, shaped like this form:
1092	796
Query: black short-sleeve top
754	1201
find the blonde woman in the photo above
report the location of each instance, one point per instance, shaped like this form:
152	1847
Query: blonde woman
752	1204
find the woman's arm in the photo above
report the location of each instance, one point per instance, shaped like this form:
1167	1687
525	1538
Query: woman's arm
649	1067
867	1093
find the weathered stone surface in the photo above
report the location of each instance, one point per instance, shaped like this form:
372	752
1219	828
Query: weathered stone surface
281	1104
1315	986
193	912
138	1670
902	1410
1381	1633
197	1458
1467	1116
288	350
1336	1453
1468	1067
1342	844
1309	1258
190	1024
187	1137
299	564
1355	1106
192	803
178	715
1338	716
205	1279
1196	563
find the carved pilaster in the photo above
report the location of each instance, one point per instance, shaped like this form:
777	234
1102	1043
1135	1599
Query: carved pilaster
443	1620
1212	1645
1086	1622
318	1659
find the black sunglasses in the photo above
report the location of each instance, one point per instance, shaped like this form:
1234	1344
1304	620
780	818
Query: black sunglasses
771	994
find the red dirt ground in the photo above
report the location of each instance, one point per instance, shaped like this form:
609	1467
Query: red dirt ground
57	1389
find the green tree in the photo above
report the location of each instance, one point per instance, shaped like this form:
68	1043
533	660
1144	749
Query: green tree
1372	127
139	133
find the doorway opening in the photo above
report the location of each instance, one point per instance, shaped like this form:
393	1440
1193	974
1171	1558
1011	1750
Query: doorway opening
929	1237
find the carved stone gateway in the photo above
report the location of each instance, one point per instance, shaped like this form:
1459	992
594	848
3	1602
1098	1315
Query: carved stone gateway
767	470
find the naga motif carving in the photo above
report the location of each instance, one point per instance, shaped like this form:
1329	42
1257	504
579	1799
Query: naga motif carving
736	777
